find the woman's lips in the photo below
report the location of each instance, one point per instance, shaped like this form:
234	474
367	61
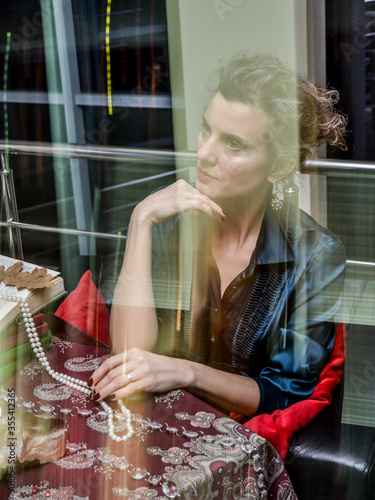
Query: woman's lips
204	176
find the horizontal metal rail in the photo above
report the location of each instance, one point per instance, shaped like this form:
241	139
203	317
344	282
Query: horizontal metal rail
329	167
92	152
61	230
361	263
93	234
144	179
321	166
124	100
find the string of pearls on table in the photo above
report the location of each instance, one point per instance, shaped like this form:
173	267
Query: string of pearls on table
169	487
74	383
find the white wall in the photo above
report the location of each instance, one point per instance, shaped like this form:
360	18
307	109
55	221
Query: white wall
203	31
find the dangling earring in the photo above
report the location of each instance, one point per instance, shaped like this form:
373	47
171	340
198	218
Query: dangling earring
276	202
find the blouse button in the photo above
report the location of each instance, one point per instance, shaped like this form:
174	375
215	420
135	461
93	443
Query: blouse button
215	310
212	339
234	287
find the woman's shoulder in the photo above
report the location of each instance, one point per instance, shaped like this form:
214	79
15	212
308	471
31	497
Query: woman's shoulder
302	230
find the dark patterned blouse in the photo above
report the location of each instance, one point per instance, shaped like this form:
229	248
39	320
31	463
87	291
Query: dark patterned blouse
275	321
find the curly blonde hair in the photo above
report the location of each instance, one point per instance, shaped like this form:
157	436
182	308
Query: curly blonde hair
302	114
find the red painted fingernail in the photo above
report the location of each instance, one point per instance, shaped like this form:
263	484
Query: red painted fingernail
90	382
96	397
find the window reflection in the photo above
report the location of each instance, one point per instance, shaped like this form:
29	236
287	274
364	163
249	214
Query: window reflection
350	69
36	105
138	44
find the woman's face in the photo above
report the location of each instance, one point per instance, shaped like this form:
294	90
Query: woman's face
231	156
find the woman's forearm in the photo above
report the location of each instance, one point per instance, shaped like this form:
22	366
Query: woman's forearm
133	315
228	391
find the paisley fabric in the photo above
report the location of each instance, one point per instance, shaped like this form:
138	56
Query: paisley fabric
180	444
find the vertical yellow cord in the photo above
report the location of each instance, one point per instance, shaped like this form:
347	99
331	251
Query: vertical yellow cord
108	57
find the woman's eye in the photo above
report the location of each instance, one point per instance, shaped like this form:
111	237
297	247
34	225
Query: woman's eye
233	145
205	129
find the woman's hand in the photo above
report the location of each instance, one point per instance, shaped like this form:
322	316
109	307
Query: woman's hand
137	370
174	200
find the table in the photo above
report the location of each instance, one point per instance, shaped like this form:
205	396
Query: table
182	447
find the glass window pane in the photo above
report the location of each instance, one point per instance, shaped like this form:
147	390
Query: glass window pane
133	127
21	42
137	41
350	69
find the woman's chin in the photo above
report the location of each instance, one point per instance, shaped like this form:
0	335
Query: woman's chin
208	189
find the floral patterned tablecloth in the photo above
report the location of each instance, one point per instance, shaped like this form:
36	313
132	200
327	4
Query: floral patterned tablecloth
182	448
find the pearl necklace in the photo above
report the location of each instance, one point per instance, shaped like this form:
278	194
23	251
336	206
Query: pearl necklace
74	383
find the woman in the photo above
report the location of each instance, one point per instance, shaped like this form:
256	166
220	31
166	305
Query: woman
268	278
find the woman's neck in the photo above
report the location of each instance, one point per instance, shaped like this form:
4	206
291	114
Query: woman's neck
235	239
243	219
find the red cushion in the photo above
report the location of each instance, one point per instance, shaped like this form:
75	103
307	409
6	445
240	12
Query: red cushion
86	309
279	427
